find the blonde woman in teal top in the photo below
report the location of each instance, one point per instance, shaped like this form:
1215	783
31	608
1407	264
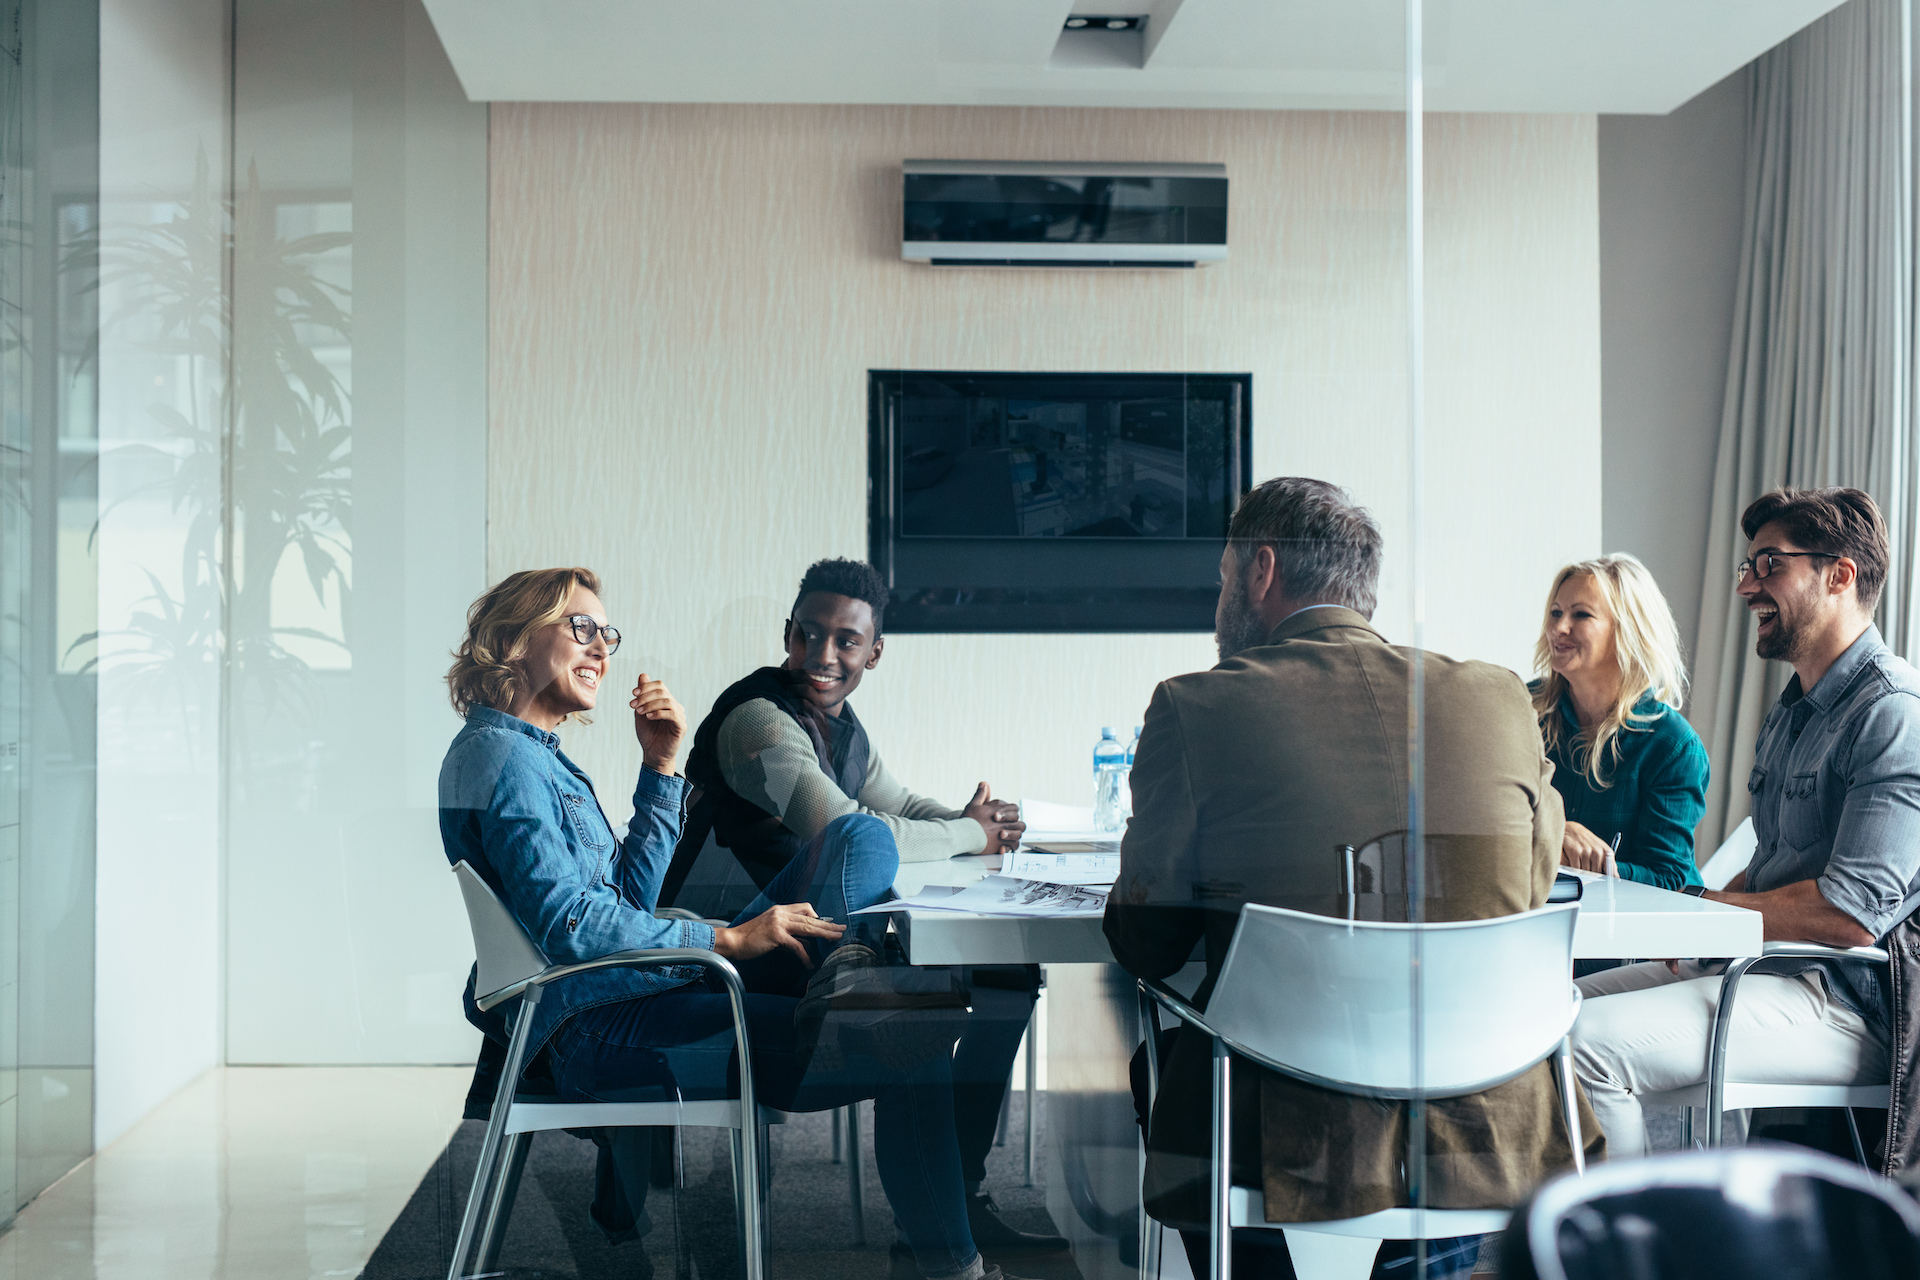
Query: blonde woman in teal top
1610	682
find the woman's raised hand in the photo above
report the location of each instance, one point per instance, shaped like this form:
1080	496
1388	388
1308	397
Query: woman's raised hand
779	926
659	721
1584	851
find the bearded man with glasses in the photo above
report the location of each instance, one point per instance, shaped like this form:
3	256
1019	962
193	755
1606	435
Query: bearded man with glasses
1835	794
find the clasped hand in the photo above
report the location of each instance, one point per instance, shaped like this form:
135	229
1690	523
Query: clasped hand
1000	819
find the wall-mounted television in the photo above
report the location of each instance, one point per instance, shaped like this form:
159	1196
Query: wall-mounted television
1054	501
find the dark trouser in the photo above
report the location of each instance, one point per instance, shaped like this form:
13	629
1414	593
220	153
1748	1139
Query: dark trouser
1003	997
680	1043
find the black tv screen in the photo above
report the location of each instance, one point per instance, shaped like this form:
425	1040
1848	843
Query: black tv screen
1054	501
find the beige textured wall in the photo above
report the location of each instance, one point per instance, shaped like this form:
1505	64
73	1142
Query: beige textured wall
686	299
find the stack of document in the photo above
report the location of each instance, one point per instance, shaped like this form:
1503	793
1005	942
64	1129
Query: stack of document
1063	868
1004	896
1063	863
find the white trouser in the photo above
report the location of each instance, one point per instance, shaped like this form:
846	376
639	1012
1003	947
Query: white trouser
1643	1029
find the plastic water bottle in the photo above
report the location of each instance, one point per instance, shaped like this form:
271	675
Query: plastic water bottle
1109	773
1126	779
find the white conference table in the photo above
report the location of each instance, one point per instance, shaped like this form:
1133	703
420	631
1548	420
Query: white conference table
1619	920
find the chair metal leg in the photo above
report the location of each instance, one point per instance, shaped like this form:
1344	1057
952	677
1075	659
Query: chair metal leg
1570	1106
496	1129
856	1175
1150	1233
839	1125
1220	1235
746	1188
493	1232
1717	1048
766	1190
1033	1093
1686	1128
1853	1131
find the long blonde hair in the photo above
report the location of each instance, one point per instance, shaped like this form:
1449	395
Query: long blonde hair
500	625
1645	643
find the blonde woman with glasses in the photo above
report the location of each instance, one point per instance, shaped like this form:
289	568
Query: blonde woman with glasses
1610	681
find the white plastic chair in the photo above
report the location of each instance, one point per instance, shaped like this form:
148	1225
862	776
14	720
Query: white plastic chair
1718	1095
1382	1010
1731	858
510	966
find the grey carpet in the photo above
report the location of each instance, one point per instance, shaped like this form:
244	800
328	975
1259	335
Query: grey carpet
550	1237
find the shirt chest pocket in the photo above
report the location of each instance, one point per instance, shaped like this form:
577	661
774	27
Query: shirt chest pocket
588	824
1802	822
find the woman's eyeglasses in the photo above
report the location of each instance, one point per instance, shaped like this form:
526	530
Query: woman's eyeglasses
585	629
1767	563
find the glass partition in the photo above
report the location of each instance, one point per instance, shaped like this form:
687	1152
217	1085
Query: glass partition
356	528
48	507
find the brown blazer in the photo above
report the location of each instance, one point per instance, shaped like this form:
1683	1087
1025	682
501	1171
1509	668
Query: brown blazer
1247	780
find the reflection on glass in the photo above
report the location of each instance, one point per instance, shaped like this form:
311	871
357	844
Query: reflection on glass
48	507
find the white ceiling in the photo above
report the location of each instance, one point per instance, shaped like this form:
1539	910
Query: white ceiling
1482	55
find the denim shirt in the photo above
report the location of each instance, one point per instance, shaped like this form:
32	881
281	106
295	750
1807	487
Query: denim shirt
527	819
1835	792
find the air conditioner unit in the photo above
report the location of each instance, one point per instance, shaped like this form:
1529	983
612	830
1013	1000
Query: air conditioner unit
972	213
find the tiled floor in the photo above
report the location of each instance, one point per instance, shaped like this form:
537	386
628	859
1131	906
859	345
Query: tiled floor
250	1173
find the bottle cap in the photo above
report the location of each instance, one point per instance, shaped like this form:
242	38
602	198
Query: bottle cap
1106	731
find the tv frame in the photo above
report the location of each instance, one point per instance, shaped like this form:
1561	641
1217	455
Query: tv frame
1108	609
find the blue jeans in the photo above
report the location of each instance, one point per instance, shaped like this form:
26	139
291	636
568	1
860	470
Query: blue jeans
680	1043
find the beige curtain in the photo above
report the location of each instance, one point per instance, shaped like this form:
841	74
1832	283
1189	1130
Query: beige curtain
1817	380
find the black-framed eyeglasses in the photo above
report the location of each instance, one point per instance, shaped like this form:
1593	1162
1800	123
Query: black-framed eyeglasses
585	629
1767	563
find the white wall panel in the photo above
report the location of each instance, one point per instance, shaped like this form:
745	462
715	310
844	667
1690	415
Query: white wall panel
163	159
686	299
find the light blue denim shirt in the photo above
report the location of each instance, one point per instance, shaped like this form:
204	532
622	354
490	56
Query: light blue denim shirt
526	817
1835	791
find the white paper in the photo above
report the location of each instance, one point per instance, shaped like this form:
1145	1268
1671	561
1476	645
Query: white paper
1061	868
1002	896
1005	896
1046	820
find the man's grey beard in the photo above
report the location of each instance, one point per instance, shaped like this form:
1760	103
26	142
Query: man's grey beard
1239	627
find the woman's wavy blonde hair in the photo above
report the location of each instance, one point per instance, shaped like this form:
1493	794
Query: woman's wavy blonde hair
1646	644
500	624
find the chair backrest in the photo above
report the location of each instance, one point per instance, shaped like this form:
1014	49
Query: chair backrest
1333	1001
1716	1215
1731	858
506	956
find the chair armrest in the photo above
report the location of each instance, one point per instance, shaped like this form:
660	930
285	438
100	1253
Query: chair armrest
1174	1003
650	958
1723	1013
1820	951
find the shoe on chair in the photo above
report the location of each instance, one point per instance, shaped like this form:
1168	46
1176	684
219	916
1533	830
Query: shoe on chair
992	1234
857	1004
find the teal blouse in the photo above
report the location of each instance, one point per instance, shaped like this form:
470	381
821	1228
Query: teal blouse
1655	797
